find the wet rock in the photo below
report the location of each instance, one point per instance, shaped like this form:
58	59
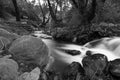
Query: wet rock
8	69
94	65
115	67
30	50
73	71
33	75
71	52
89	53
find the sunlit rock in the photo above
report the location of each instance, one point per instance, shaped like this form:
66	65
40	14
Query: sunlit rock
30	50
8	69
33	75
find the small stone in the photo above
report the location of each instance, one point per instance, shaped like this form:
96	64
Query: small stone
89	53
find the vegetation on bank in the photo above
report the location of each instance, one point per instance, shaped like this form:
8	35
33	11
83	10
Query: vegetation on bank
81	36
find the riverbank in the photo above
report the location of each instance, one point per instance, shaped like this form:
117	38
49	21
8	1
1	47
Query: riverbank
81	36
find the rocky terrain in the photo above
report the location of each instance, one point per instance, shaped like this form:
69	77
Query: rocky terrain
26	57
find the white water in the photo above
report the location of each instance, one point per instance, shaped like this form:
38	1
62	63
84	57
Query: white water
54	46
62	59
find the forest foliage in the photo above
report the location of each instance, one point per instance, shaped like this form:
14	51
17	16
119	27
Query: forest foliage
59	16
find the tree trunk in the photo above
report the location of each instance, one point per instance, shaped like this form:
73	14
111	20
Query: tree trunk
43	14
16	10
52	12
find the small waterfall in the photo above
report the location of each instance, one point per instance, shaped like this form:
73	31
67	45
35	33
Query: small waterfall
62	59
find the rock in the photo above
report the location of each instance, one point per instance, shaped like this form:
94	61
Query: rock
30	50
8	35
71	52
94	65
73	70
50	75
4	42
33	75
4	45
41	34
62	34
8	69
115	67
7	56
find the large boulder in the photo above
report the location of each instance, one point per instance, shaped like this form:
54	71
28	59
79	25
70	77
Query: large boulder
94	66
30	50
8	69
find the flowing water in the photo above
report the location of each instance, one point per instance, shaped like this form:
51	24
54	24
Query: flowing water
62	59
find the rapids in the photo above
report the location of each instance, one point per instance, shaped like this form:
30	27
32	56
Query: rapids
62	59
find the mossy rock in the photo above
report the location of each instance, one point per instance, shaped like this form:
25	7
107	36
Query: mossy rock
28	49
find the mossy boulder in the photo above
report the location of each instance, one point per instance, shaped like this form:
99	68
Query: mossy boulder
30	50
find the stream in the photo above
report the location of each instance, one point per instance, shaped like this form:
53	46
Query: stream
63	59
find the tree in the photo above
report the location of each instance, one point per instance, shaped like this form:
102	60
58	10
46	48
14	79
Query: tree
44	21
16	10
52	12
87	9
